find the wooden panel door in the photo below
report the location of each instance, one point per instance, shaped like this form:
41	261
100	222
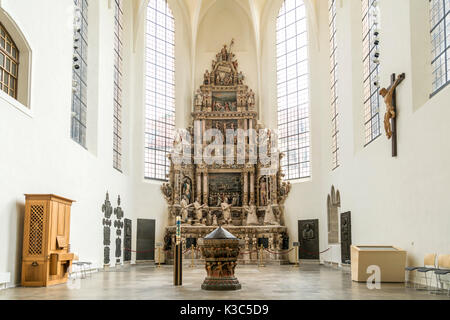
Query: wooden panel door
34	266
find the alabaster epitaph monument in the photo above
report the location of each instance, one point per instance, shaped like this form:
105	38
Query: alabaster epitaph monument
239	188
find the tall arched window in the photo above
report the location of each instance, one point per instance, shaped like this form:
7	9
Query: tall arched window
333	83
79	73
117	122
160	89
293	89
9	63
440	43
371	70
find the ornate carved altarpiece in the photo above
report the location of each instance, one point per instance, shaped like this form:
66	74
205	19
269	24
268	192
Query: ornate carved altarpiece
224	102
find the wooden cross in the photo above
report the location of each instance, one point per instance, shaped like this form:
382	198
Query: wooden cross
390	119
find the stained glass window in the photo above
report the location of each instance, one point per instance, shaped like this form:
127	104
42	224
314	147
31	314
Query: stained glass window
117	125
371	71
293	89
79	76
440	43
160	89
9	63
333	83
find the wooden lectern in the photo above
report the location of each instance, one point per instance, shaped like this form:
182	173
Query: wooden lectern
46	259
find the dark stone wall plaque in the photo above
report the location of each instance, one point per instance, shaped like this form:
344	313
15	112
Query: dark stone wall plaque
145	244
127	239
107	223
191	242
264	242
346	236
308	236
285	242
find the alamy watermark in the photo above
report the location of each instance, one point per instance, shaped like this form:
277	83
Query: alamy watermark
374	280
227	146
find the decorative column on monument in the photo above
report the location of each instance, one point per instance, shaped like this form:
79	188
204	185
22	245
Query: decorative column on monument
177	191
205	186
245	188
198	197
274	191
252	186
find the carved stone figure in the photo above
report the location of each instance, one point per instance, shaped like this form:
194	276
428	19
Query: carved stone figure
172	216
206	78
240	78
263	192
283	191
186	190
167	192
198	98
208	216
224	53
177	141
388	95
184	210
251	99
198	208
226	211
269	217
308	232
252	218
214	223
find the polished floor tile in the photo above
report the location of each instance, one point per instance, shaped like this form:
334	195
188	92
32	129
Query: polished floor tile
272	282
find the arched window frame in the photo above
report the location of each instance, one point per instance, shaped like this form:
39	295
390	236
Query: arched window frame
293	89
9	63
159	89
22	99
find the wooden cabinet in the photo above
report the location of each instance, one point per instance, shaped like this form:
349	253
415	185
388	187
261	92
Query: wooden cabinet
390	260
46	259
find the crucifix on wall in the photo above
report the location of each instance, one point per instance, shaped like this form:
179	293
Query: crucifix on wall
390	118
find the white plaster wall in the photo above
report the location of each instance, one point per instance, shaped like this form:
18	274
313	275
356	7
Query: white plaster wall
37	153
394	201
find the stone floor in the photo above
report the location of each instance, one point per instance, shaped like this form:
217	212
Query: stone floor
272	282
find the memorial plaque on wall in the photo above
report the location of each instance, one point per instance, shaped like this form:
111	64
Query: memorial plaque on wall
191	242
145	244
308	236
346	236
127	240
264	242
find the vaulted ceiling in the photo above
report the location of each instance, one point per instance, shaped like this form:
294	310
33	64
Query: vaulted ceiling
194	11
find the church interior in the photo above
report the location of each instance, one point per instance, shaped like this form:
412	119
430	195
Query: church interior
224	149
